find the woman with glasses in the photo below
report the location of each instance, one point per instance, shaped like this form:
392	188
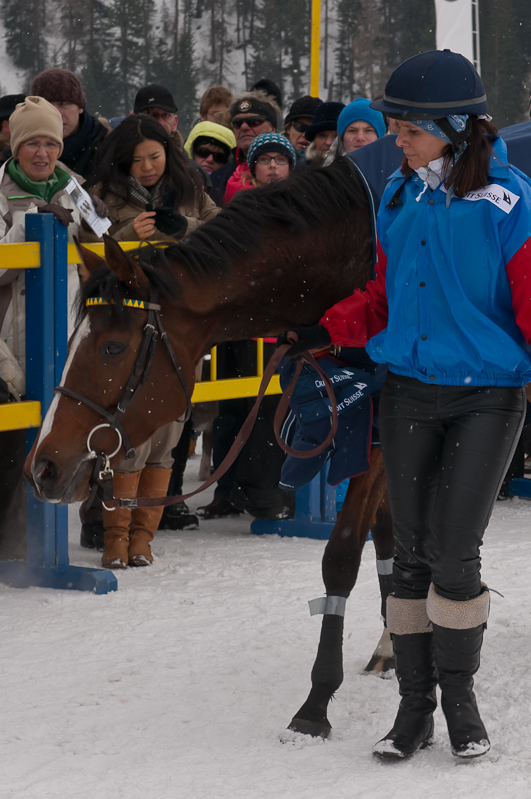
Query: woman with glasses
271	158
146	183
33	180
210	145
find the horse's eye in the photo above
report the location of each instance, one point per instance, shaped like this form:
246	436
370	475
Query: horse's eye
111	349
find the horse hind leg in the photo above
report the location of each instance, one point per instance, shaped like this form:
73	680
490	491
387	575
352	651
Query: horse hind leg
383	658
340	568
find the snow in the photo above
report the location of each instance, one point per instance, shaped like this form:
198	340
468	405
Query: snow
179	685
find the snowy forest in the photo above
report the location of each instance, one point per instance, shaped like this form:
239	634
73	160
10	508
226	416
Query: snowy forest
116	46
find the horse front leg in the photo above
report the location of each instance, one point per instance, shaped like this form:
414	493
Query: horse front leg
340	566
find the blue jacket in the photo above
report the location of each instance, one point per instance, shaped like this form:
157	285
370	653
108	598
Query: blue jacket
451	301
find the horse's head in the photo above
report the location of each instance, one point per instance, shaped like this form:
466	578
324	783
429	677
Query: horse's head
108	359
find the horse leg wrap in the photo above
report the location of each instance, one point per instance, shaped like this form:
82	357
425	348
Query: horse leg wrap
328	666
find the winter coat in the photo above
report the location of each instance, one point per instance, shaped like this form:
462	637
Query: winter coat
15	203
221	176
450	303
122	215
238	181
80	148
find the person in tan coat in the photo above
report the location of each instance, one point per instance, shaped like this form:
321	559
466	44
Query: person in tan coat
144	180
151	193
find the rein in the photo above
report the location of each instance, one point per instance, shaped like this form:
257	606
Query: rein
102	477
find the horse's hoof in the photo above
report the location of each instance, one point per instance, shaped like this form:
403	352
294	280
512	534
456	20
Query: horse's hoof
379	665
317	729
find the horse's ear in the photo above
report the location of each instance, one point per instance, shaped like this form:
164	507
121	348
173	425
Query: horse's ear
89	261
125	268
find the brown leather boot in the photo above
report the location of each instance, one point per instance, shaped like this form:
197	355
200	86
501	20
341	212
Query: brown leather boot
117	522
153	483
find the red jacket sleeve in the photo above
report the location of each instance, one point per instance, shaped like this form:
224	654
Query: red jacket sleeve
356	319
519	274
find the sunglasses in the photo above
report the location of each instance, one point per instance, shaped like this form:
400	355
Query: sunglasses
253	122
204	152
300	127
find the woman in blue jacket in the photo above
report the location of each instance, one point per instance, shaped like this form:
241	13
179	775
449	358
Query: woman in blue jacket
450	311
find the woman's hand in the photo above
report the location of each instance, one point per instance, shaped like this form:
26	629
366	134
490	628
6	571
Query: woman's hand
63	214
144	225
313	338
99	206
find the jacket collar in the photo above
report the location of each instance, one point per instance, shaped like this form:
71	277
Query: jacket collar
497	167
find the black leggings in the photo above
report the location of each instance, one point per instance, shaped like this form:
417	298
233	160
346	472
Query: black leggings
446	450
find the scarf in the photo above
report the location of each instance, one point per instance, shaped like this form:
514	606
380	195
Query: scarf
44	189
140	193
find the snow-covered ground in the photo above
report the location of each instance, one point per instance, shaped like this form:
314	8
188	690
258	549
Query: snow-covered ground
179	685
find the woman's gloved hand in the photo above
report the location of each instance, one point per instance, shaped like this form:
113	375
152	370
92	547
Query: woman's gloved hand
313	338
99	206
167	220
64	215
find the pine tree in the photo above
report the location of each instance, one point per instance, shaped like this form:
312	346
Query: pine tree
127	19
25	23
503	67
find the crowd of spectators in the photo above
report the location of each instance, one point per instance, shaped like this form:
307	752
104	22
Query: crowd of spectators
154	184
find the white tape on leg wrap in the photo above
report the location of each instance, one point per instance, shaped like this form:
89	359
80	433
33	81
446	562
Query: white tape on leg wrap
385	566
328	606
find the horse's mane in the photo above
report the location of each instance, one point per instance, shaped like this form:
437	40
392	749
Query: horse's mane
313	198
303	202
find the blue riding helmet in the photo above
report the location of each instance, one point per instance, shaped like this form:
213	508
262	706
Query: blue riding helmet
431	85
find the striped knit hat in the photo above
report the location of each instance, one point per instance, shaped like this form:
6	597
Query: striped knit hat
267	143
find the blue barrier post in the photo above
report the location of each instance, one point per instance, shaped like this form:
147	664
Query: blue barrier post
47	564
315	512
520	487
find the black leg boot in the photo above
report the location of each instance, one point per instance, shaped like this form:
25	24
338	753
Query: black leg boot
458	634
412	637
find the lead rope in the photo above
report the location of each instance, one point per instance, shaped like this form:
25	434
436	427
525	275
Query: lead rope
246	429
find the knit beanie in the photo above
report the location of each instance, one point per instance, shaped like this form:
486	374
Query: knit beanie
302	108
222	136
35	117
324	118
270	142
361	109
59	86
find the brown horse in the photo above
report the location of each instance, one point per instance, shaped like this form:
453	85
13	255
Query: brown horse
276	257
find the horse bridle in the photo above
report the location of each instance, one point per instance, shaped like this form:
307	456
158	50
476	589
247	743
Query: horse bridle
102	476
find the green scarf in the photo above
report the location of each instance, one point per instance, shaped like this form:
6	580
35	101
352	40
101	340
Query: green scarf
44	189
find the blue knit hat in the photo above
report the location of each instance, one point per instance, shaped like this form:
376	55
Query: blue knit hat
270	142
361	109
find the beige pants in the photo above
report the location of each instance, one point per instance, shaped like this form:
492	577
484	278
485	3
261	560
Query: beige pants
154	452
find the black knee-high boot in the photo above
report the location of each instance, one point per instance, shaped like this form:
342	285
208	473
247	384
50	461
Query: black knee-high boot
412	637
458	635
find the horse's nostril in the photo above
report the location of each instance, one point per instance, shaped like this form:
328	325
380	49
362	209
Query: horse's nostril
47	473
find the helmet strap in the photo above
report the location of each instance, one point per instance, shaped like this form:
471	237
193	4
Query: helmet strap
457	138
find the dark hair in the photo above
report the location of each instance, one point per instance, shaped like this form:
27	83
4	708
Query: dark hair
471	171
115	158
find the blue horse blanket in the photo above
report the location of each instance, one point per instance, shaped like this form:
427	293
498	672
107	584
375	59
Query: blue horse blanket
308	422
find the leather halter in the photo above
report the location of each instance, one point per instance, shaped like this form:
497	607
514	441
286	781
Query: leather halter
103	474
